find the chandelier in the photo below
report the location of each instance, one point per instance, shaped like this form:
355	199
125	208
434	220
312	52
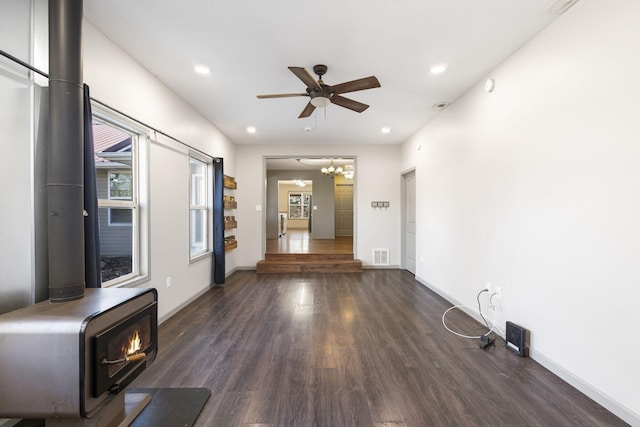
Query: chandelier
332	170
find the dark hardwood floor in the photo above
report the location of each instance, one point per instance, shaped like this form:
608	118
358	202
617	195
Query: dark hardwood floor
365	349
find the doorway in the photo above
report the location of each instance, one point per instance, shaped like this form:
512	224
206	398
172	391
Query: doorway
321	230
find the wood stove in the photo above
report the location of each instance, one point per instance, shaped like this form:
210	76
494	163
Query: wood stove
70	361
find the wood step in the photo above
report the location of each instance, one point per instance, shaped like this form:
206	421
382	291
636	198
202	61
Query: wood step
309	266
307	257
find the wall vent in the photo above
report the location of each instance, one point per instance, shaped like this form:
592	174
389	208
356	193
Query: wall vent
381	256
560	6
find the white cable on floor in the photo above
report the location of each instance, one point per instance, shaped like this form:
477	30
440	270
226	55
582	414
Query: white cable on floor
493	322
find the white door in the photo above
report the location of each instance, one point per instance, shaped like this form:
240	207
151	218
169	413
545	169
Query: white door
410	222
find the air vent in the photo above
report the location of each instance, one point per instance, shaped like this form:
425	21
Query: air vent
381	256
440	105
560	6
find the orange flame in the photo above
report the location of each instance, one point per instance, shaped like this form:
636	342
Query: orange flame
135	344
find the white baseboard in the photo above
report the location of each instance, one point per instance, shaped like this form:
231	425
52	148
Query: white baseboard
187	302
621	411
615	407
181	306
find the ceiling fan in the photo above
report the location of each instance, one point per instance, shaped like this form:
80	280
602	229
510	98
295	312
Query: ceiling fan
321	94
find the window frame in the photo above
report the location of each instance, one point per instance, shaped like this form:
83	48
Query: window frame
139	197
304	201
206	205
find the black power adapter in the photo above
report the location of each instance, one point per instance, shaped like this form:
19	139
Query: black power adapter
485	341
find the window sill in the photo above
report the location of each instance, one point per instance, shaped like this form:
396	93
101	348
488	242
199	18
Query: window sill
130	283
200	257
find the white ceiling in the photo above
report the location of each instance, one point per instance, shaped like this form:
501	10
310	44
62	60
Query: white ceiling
248	45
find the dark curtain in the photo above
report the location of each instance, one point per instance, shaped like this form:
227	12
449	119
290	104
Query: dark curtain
218	222
91	224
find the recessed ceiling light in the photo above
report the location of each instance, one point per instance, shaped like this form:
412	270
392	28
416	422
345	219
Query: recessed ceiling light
438	68
385	129
307	129
202	69
251	129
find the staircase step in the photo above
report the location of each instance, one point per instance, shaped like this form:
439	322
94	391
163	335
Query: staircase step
310	266
307	257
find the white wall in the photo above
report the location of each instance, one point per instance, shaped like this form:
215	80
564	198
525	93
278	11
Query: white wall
376	179
117	80
534	188
17	133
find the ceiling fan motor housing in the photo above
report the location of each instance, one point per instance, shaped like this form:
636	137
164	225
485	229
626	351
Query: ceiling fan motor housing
320	70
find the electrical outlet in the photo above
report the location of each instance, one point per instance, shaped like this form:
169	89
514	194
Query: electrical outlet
168	281
498	292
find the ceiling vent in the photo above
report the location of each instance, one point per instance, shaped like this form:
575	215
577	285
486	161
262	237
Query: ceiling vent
560	6
440	106
381	256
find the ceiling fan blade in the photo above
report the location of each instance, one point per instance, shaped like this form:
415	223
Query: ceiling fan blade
307	111
355	85
281	95
348	103
306	77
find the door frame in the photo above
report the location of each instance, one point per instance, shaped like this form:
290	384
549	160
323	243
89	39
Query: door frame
403	215
263	207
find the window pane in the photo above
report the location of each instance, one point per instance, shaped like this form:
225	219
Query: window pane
116	243
295	199
198	182
120	185
118	216
295	212
198	231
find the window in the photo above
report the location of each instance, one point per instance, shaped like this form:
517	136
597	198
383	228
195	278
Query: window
120	188
121	181
198	207
299	205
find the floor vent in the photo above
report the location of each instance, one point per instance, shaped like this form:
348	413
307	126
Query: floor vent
381	256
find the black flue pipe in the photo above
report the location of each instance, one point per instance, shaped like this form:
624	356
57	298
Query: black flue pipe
65	152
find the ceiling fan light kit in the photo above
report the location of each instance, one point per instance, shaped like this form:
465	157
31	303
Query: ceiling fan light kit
322	94
320	101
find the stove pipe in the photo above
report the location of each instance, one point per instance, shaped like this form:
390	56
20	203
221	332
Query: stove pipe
65	152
